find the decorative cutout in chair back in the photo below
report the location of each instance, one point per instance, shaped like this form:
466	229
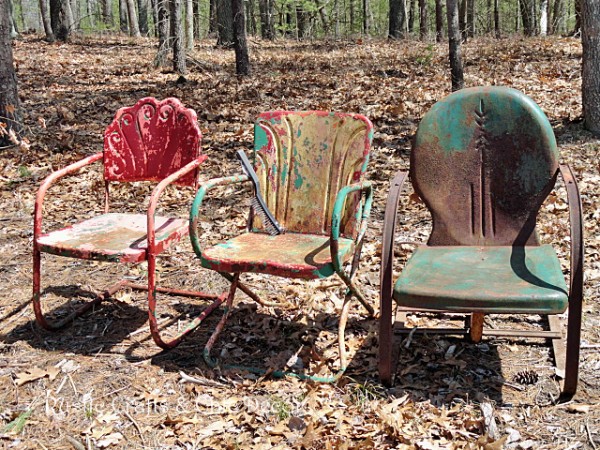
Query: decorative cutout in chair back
304	158
150	141
483	160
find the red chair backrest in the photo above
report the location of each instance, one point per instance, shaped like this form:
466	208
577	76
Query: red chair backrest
151	140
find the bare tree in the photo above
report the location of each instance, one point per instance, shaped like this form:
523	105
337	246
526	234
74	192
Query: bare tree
134	29
397	19
439	21
240	44
46	20
10	109
590	35
224	23
423	19
267	27
454	50
162	6
175	13
61	19
189	24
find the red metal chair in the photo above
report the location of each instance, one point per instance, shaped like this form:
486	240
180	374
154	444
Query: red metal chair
150	141
483	161
311	167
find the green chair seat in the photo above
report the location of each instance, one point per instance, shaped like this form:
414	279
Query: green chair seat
483	279
292	255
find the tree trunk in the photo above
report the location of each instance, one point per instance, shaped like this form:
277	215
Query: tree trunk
470	29
439	21
189	24
242	60
107	12
577	17
590	87
177	36
411	16
134	29
462	23
162	6
397	19
454	50
10	108
301	21
558	17
267	29
73	15
123	23
212	16
46	20
497	19
423	19
365	23
197	20
143	16
323	16
543	17
224	23
251	17
527	15
59	19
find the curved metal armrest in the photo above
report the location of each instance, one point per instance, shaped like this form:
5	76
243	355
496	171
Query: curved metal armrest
576	228
198	199
336	217
387	241
49	181
160	187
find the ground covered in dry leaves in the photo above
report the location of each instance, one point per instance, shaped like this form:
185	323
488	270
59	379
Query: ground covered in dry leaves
102	383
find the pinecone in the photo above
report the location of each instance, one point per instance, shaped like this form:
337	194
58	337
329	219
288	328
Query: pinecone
526	377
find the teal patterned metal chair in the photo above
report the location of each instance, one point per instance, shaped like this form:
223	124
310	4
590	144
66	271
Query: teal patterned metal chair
311	168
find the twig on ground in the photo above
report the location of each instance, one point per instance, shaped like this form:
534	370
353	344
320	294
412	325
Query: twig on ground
203	381
137	427
75	443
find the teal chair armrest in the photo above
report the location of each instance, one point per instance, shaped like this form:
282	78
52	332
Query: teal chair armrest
199	198
336	218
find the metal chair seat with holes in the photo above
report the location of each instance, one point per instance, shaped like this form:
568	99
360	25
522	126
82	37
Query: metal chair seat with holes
150	141
484	160
311	167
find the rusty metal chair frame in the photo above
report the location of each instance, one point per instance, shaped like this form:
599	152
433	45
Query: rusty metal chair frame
360	186
187	147
566	353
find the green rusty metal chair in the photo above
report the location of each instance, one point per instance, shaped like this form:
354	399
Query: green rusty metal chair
150	141
311	168
484	160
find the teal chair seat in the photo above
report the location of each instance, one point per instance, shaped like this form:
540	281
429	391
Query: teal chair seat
483	279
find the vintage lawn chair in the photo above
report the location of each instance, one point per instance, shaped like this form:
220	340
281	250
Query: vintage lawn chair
151	141
484	160
311	167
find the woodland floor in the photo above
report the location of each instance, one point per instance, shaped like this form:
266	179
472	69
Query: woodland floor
103	383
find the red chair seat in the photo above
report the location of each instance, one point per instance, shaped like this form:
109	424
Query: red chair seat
291	255
112	237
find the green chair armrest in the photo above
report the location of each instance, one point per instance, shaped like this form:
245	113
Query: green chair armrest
199	198
336	218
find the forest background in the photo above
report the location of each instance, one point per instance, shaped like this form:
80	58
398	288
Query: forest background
101	383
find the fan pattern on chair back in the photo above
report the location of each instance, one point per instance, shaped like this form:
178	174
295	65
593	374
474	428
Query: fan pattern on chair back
150	141
303	159
484	160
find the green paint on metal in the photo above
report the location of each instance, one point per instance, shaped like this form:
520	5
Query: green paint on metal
261	140
484	279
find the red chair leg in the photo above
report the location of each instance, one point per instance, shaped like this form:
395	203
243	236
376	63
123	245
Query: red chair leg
153	290
211	362
37	300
